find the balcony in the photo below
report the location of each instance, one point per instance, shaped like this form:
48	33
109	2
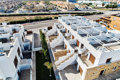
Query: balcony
59	51
67	36
57	48
85	61
52	37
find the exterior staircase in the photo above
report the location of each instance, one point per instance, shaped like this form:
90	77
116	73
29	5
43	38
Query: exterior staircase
56	42
65	61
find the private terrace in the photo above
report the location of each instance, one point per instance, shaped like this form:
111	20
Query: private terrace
85	60
52	37
59	51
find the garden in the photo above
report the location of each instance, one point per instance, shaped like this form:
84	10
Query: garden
44	70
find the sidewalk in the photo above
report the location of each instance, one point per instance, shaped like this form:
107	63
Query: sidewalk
34	66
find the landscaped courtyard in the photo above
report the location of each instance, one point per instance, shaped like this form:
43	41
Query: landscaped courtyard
42	73
44	70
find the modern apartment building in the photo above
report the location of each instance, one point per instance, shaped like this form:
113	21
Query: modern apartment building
12	44
77	40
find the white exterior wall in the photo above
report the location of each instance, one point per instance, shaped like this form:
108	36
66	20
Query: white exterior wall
83	66
5	46
100	57
91	49
115	55
7	67
5	35
19	36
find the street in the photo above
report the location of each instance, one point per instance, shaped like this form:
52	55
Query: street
39	25
106	13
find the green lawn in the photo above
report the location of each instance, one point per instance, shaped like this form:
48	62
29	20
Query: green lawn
42	73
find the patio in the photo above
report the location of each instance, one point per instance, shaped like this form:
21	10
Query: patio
70	73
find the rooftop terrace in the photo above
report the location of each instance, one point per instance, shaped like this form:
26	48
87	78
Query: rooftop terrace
95	34
7	37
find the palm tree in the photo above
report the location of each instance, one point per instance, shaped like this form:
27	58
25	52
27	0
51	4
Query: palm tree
49	66
45	52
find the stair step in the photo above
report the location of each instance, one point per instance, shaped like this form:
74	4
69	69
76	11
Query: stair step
65	60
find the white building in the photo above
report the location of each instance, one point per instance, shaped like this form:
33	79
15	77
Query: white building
12	39
77	40
95	3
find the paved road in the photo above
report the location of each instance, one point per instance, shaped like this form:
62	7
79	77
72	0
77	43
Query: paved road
106	13
39	24
47	23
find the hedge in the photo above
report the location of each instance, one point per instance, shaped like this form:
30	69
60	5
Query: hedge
49	13
30	20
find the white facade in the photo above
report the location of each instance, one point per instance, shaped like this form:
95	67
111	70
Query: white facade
87	43
11	45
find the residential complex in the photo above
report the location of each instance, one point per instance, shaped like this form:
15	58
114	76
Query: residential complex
9	6
69	6
15	53
85	43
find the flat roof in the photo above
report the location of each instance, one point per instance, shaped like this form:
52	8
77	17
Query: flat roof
7	38
96	34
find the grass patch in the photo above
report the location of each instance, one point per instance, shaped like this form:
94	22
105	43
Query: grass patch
42	72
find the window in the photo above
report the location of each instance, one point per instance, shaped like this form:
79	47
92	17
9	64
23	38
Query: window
102	72
82	45
18	51
81	71
24	34
65	46
108	60
92	58
72	37
22	39
68	31
15	61
49	27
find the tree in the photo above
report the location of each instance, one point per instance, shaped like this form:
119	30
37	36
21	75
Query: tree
43	40
49	66
111	6
45	52
107	6
103	4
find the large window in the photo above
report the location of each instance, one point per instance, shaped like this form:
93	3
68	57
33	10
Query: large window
15	61
18	51
108	60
